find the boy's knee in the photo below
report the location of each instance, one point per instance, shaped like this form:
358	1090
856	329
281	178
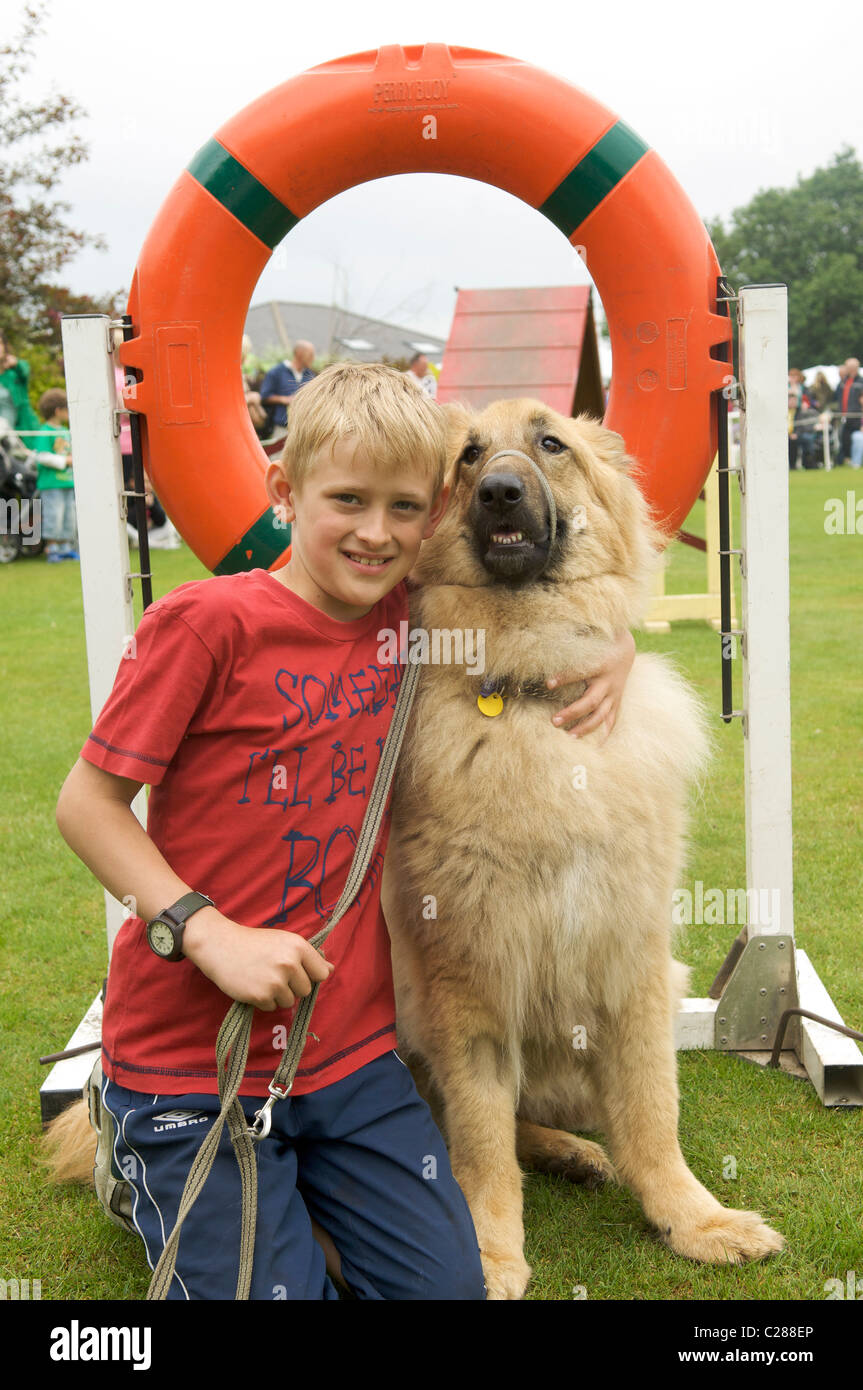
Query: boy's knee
464	1285
457	1278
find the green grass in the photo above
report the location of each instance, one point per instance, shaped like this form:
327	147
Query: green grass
798	1164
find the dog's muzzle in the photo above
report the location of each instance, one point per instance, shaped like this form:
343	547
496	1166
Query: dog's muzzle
552	509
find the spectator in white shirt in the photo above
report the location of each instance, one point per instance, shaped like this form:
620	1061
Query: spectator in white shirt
418	370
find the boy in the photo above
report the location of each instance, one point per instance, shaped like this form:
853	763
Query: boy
54	482
257	708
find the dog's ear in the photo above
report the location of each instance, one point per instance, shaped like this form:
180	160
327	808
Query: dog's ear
609	446
458	422
458	417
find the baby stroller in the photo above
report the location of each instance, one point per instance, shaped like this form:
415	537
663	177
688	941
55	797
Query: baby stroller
20	528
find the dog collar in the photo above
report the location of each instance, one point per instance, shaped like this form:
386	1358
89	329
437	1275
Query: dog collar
494	688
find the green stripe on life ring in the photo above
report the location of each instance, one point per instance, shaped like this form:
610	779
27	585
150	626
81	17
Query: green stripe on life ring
259	548
593	178
231	184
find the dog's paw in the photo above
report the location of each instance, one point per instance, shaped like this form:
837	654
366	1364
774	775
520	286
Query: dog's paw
506	1275
584	1162
725	1237
564	1154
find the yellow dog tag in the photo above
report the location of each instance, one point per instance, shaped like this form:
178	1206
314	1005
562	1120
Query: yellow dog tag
490	704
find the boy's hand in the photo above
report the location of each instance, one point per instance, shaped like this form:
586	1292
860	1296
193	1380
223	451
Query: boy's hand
255	965
601	700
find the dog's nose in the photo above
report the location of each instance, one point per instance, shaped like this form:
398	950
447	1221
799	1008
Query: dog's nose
500	491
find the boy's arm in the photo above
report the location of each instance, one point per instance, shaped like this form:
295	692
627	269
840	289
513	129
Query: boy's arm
52	461
601	700
259	966
95	818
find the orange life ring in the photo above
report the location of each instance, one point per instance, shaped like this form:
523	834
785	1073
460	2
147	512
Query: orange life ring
421	109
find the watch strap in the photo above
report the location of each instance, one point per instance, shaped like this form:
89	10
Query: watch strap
180	911
175	918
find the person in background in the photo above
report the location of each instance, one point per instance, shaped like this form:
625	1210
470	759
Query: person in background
418	372
802	437
821	390
161	533
792	437
283	381
795	382
848	401
54	481
126	456
257	413
15	376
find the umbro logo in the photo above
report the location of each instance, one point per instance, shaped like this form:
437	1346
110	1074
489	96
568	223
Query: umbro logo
177	1119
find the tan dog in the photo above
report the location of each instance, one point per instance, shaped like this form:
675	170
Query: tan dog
529	882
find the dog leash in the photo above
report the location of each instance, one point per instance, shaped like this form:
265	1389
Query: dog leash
232	1044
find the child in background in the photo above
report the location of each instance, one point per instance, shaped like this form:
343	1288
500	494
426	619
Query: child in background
55	482
15	379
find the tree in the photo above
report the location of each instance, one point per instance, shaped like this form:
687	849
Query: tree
36	241
809	237
57	300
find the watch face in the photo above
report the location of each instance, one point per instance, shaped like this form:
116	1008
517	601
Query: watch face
161	938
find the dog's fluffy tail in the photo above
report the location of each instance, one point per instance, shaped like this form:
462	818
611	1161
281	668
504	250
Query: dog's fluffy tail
68	1148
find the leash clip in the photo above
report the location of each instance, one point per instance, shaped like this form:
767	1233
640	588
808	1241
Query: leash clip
263	1117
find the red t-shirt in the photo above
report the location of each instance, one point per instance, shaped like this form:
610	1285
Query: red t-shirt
259	721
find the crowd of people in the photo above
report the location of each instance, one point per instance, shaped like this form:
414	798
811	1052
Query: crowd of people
43	441
49	440
39	446
268	396
820	414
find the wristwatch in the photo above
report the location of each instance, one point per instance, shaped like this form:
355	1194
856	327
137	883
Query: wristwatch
165	931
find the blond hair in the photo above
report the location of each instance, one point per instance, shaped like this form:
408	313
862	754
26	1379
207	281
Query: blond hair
397	425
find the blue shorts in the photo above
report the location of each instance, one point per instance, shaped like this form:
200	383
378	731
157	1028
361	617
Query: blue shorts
362	1156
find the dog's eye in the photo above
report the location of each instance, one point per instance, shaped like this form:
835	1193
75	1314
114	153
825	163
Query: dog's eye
550	444
470	454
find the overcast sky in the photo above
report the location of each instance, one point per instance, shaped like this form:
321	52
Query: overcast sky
734	97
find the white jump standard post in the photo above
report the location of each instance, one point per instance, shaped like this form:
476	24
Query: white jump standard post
763	976
106	583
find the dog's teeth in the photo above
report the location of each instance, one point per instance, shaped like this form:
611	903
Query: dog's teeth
508	537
